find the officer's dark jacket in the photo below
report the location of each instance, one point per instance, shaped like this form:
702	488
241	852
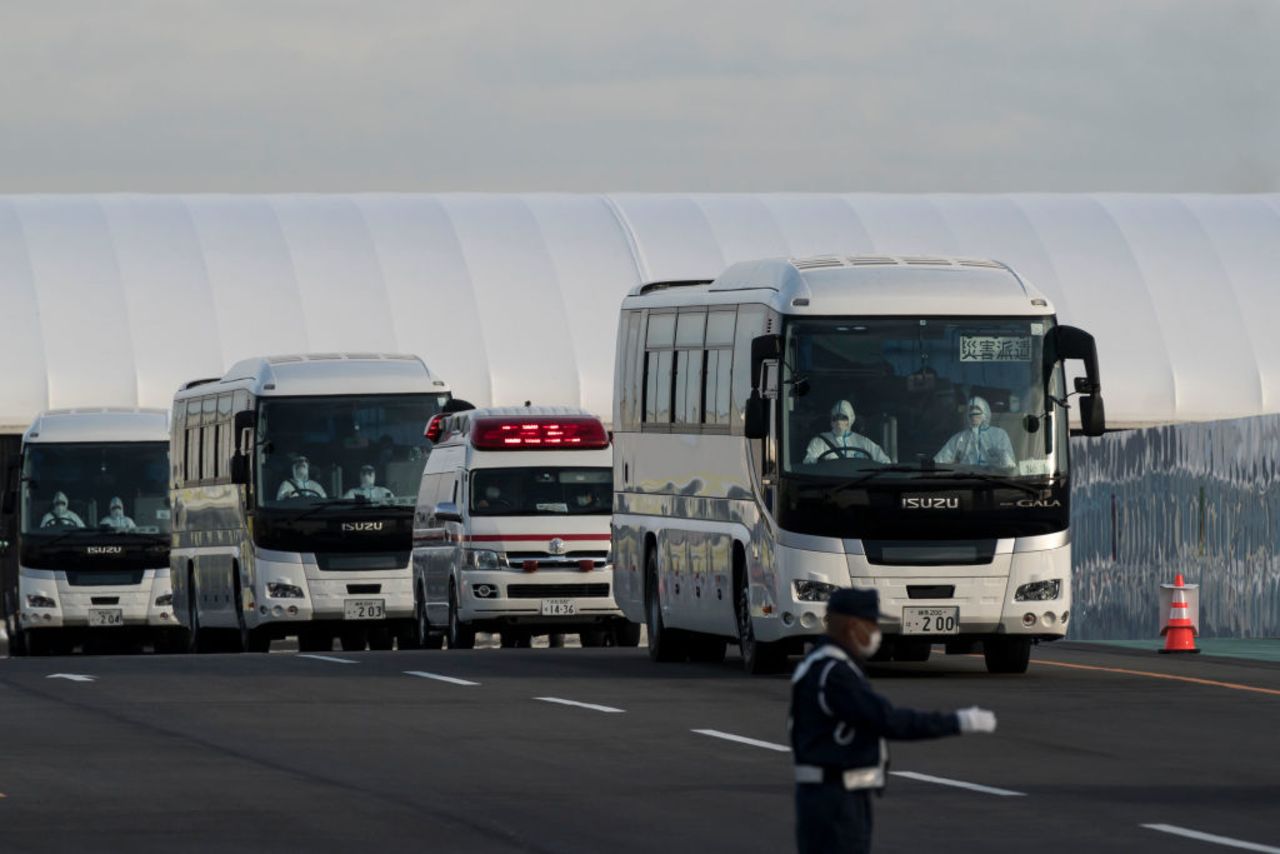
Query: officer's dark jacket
838	722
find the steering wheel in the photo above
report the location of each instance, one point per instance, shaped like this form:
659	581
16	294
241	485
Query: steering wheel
60	522
304	493
845	454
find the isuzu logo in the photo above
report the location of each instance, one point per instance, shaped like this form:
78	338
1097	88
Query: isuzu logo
104	550
941	502
362	526
556	546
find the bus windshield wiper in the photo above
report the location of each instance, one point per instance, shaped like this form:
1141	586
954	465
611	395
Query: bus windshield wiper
68	533
329	503
875	473
997	480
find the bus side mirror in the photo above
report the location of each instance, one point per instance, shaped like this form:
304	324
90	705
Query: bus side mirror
1069	342
1093	417
756	416
240	468
763	348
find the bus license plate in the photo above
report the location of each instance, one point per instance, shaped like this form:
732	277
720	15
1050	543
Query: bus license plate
558	608
365	609
106	617
931	621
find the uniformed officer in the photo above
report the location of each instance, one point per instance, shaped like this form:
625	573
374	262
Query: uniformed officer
839	727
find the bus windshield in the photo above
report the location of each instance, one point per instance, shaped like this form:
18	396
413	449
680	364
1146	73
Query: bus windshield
352	449
118	487
542	491
960	395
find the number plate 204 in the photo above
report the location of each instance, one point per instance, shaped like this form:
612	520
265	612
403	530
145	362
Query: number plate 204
106	616
931	621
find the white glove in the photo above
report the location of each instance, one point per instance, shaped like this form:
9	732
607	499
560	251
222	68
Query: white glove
974	719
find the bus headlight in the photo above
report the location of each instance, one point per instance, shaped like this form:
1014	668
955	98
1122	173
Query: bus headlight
814	591
39	600
164	600
483	559
283	590
1038	591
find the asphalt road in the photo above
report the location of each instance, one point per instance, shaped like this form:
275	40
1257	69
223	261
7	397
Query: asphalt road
352	752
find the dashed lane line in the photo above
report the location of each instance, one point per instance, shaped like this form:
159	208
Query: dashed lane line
742	739
1194	680
592	706
452	680
332	658
924	778
1224	841
959	784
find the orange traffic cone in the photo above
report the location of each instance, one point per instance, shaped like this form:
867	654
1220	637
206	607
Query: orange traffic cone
1179	636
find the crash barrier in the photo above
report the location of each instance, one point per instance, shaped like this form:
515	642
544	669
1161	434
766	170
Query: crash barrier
1201	499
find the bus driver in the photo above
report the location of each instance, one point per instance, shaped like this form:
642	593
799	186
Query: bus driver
841	442
980	444
300	484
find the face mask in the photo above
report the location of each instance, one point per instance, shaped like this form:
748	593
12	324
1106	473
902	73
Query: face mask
871	647
366	480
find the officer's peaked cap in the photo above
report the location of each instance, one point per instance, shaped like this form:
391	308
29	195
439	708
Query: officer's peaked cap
853	602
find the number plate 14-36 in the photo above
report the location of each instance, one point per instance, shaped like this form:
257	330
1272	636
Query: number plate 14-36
931	621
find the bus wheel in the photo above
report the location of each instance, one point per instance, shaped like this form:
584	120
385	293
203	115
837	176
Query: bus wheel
195	642
664	644
314	640
707	649
36	643
461	636
1006	654
626	633
757	657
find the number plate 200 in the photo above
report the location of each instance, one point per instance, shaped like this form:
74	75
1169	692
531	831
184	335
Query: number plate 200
931	621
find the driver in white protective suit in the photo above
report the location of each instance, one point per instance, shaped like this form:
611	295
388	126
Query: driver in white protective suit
979	444
300	484
59	516
115	518
367	488
840	442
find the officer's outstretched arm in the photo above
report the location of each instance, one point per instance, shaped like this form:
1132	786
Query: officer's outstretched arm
853	702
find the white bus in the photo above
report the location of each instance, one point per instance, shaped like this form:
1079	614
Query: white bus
294	480
800	425
91	493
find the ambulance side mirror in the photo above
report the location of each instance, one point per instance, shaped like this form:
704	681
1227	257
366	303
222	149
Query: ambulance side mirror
447	511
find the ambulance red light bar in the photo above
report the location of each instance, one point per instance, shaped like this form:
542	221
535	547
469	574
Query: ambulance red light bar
538	432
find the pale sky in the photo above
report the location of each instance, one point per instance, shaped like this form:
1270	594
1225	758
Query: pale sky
521	95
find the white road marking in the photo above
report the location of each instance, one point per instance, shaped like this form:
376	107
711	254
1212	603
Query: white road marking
959	784
1209	837
452	680
332	658
73	677
742	739
591	706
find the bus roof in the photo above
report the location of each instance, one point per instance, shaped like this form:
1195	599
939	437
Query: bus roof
323	374
101	424
859	285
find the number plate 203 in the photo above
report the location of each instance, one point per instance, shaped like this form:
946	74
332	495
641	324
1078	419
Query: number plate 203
931	621
365	609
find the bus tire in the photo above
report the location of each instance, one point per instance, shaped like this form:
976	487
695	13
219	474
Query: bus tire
311	639
1006	654
423	637
36	643
626	633
665	645
198	641
461	636
758	658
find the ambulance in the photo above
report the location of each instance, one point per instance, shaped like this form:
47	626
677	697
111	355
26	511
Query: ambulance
511	532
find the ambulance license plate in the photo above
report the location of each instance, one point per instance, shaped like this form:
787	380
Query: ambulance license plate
931	621
106	616
559	607
365	609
